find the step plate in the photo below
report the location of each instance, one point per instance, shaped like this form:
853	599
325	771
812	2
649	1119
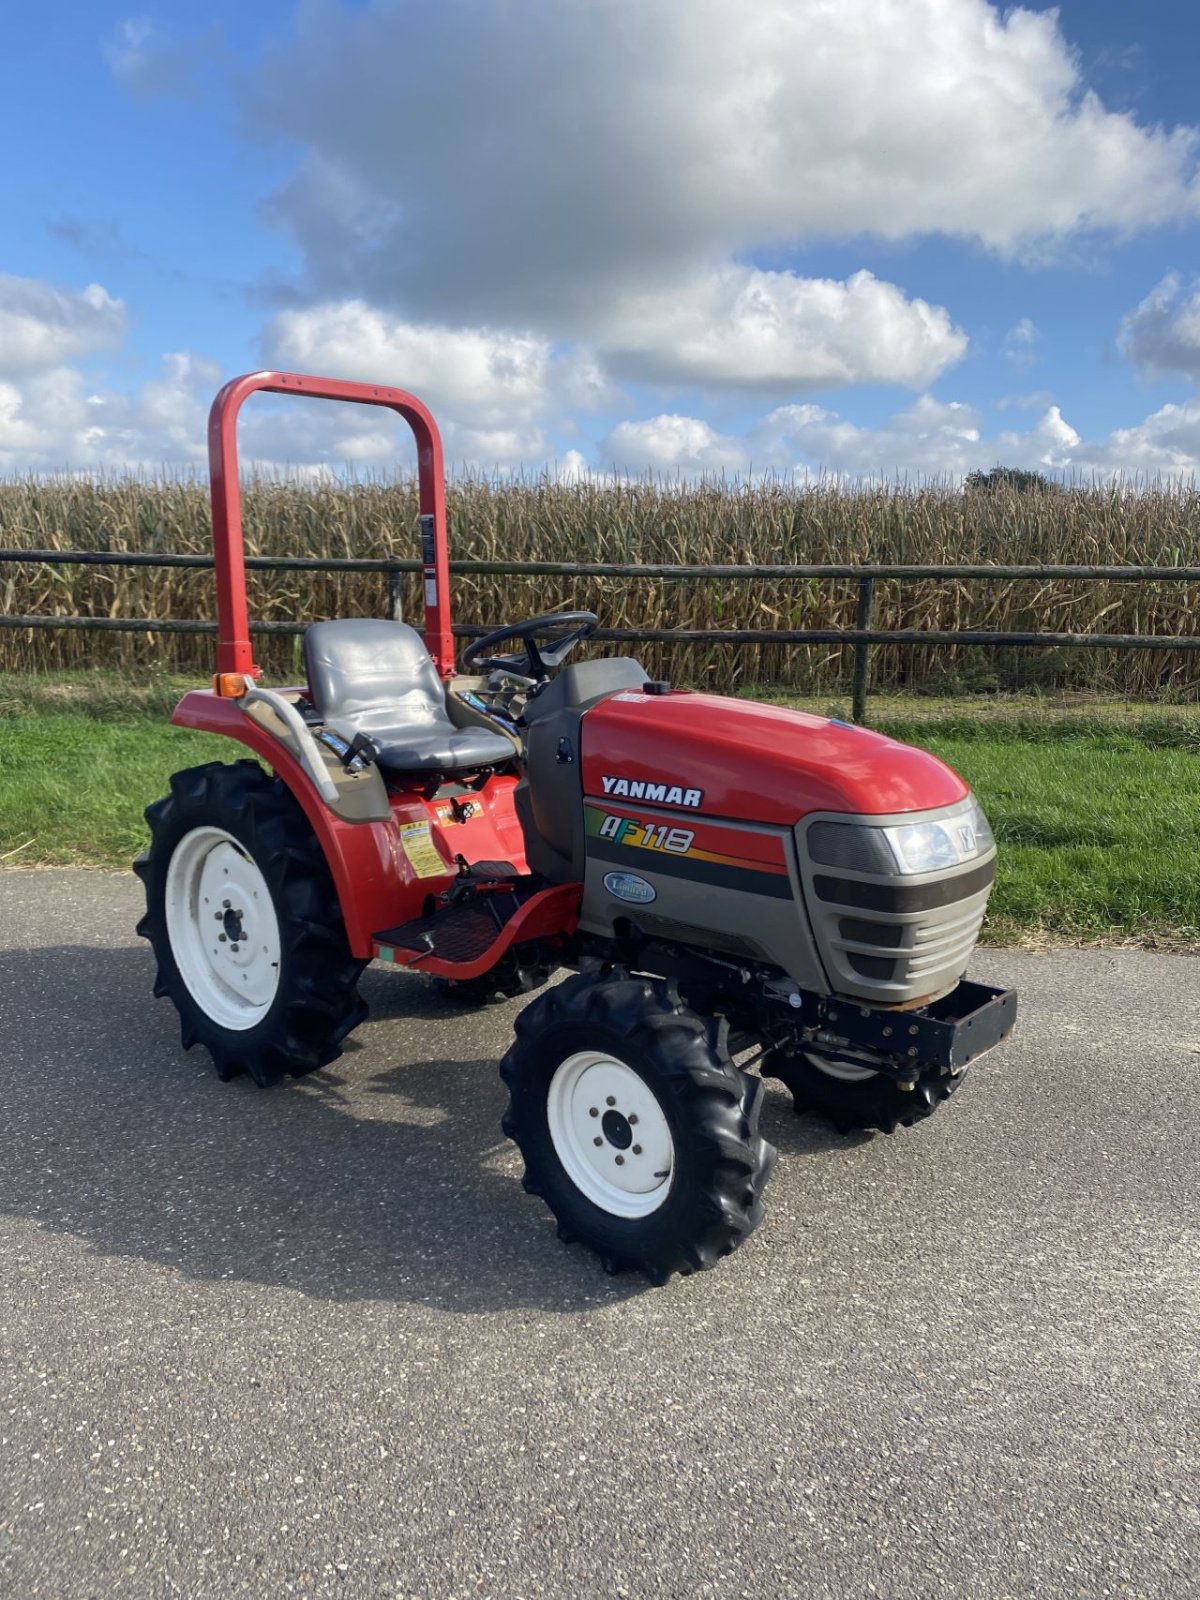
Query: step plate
458	933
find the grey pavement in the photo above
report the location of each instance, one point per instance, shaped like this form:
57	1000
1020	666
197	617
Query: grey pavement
316	1341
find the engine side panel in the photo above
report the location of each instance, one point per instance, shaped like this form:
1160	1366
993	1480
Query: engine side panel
729	887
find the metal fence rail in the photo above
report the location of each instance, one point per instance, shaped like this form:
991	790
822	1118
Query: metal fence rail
862	636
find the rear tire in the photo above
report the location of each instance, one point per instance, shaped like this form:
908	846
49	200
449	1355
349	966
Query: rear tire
856	1102
245	925
637	1130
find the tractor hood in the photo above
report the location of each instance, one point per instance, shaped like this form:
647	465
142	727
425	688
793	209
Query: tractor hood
752	762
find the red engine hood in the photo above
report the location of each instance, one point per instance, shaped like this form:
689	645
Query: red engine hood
753	762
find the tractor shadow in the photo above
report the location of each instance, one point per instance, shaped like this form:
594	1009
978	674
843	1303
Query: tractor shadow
384	1177
807	1134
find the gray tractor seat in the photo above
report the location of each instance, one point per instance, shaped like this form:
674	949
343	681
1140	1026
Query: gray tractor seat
369	676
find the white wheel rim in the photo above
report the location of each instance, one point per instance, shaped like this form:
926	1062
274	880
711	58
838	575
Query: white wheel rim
610	1134
842	1070
223	929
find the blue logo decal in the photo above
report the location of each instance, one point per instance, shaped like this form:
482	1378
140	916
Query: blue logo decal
628	886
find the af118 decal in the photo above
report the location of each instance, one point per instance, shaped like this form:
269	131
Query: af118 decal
646	835
752	862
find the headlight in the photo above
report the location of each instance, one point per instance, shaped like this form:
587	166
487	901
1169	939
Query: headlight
907	847
932	846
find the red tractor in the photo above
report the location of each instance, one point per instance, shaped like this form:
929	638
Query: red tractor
731	885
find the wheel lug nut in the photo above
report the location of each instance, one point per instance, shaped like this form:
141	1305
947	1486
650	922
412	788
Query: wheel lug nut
620	1161
225	903
631	1118
597	1140
594	1112
235	948
222	938
637	1149
611	1101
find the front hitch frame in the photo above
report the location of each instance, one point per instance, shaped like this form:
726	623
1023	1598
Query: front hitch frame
944	1036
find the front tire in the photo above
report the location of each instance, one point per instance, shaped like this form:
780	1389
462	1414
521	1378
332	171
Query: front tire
245	925
854	1099
636	1128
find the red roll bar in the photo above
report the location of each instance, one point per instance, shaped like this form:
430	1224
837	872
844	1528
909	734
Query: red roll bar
234	652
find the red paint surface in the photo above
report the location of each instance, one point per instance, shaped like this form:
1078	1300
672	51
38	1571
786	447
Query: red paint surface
234	651
376	883
757	763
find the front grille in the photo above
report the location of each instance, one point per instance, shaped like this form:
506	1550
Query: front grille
901	896
873	967
885	937
907	954
871	933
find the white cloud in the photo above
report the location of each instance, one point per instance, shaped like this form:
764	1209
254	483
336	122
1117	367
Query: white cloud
1163	333
147	63
51	422
41	325
745	327
930	439
671	444
573	468
494	393
51	419
129	48
497	397
173	409
1166	443
546	165
1020	344
485	375
738	326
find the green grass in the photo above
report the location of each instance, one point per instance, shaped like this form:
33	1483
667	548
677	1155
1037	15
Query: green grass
1096	807
73	789
1098	827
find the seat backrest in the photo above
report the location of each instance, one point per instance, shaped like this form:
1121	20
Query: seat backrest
366	663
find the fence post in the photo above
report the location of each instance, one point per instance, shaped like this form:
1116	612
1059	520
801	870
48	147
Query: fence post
862	650
395	594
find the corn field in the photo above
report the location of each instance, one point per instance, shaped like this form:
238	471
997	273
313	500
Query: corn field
707	524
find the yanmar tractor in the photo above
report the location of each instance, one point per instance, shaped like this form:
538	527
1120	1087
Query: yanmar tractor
731	884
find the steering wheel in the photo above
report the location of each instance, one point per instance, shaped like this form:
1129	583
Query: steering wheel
564	629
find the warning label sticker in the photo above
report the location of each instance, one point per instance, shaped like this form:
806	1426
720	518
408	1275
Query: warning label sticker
416	840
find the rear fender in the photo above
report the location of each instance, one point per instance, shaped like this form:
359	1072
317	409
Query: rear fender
372	877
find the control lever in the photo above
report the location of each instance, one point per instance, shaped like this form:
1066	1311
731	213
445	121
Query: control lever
355	754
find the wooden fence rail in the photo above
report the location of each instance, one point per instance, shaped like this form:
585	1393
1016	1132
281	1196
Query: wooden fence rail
862	636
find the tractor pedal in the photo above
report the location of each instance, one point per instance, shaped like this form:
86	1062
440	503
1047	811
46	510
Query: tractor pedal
482	878
490	872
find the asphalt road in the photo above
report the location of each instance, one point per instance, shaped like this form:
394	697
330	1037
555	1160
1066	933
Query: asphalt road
316	1341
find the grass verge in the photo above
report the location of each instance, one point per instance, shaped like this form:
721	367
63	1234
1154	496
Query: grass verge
1096	806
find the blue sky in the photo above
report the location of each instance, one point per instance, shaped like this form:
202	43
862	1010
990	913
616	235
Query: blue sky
866	237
